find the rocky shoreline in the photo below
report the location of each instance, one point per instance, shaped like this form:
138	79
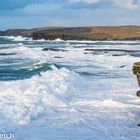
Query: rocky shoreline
78	33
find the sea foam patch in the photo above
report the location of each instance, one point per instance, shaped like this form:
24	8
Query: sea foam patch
23	100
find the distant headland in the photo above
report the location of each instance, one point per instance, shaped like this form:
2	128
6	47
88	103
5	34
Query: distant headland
78	33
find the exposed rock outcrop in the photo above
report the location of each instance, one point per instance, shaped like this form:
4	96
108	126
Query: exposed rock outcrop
54	49
136	71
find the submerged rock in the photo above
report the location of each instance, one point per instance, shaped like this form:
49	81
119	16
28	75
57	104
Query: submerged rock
54	49
136	71
123	66
138	125
138	93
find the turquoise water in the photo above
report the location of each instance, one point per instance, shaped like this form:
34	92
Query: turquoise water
77	90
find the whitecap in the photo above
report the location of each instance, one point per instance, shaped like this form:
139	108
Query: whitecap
23	100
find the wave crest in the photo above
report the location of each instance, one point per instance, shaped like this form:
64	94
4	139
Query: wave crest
27	99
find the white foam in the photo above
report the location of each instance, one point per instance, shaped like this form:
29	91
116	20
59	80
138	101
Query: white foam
104	106
23	100
108	103
17	38
98	41
43	40
58	40
40	40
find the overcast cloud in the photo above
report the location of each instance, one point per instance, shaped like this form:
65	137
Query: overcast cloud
36	13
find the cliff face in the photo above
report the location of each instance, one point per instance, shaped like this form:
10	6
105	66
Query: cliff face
78	33
90	33
70	34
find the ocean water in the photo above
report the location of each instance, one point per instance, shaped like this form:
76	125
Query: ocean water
75	90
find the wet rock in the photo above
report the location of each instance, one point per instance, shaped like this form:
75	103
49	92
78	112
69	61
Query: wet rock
138	125
54	49
138	93
58	57
123	66
136	71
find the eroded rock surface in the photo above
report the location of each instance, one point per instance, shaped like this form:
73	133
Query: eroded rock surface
136	71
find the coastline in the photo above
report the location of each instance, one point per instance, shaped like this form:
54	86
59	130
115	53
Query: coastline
109	33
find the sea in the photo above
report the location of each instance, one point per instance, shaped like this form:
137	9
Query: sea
68	90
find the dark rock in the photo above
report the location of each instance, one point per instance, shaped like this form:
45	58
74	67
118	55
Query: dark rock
138	125
138	93
123	66
54	49
58	57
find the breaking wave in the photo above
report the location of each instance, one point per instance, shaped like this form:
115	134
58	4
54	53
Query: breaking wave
26	100
17	38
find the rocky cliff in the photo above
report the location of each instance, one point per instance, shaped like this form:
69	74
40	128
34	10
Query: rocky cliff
78	33
90	33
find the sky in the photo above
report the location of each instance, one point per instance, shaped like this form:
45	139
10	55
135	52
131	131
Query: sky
43	13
